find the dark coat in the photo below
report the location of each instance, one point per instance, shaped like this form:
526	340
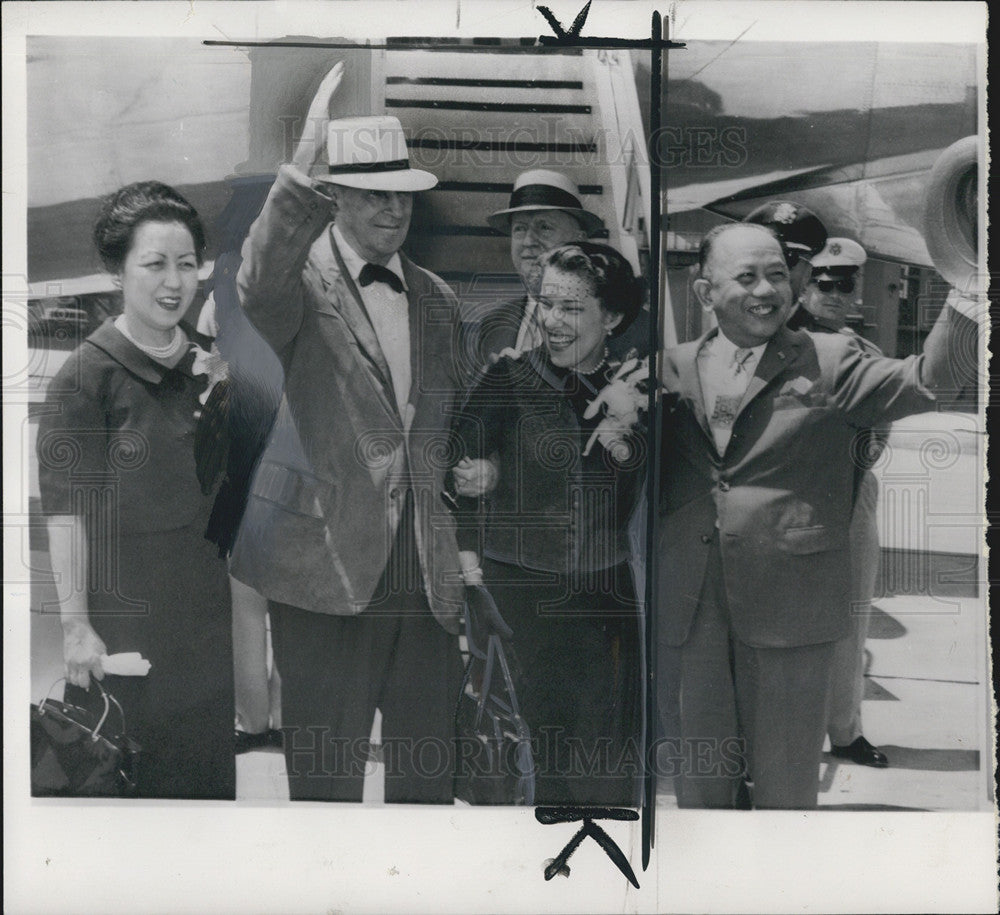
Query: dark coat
552	509
782	494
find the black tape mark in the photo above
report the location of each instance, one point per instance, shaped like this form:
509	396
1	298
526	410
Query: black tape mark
548	816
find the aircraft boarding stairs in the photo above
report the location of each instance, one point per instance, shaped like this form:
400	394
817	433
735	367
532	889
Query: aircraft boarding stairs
477	119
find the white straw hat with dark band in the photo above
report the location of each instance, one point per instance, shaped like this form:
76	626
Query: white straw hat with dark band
541	189
370	153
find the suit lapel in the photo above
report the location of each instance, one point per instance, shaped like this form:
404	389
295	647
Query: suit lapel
416	286
690	381
779	353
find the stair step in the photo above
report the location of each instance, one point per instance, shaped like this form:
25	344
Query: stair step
477	98
494	171
446	212
455	179
484	83
498	187
459	65
495	125
476	123
430	140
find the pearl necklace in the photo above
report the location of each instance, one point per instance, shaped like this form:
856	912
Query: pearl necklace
600	365
168	351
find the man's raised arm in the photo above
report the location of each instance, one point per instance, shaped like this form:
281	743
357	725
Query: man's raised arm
948	360
294	215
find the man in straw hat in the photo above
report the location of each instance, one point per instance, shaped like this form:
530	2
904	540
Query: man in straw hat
358	555
544	212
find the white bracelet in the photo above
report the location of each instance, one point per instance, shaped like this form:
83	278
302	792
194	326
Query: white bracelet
475	570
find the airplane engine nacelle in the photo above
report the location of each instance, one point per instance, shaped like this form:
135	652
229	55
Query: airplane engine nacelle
951	214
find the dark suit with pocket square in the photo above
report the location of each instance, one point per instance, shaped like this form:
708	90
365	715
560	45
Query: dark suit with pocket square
754	577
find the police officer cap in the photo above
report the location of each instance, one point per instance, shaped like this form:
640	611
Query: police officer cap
839	255
801	231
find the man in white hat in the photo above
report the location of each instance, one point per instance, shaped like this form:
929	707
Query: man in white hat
831	290
826	302
353	547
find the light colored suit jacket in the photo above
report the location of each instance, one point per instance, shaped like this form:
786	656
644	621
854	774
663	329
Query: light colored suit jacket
782	494
329	492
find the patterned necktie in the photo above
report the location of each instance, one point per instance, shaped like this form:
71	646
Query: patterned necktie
375	273
740	358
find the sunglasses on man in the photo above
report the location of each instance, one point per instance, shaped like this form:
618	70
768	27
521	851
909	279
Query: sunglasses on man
845	285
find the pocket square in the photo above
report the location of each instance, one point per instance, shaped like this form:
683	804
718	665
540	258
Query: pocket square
798	386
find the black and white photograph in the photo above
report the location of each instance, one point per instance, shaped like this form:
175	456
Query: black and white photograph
450	468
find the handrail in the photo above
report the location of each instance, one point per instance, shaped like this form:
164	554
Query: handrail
623	141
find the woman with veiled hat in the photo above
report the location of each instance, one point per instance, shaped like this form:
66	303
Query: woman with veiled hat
560	424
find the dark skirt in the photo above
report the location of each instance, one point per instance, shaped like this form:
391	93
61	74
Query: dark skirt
171	602
578	678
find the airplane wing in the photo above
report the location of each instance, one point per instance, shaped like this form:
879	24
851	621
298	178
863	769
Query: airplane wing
880	203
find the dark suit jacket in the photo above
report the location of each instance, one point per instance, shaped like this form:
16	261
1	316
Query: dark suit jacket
553	508
781	496
498	330
335	496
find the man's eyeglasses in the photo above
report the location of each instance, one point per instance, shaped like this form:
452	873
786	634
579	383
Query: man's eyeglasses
844	285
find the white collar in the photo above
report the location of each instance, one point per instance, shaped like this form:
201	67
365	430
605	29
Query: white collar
725	350
354	261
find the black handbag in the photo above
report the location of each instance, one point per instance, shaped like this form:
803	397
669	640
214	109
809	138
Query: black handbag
495	760
74	755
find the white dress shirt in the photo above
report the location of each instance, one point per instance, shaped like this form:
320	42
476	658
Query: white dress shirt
723	385
390	316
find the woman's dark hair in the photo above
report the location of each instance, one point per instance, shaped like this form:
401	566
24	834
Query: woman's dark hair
129	207
610	276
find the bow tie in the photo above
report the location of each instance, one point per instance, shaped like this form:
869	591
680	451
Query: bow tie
373	273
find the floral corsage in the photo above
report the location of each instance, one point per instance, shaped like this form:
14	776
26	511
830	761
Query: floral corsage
211	436
210	363
622	400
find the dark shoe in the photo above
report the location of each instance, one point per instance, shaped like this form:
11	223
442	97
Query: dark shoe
862	753
265	740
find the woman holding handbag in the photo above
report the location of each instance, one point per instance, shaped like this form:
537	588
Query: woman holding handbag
127	511
559	428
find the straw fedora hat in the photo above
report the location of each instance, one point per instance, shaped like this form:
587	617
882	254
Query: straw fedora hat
370	153
541	189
